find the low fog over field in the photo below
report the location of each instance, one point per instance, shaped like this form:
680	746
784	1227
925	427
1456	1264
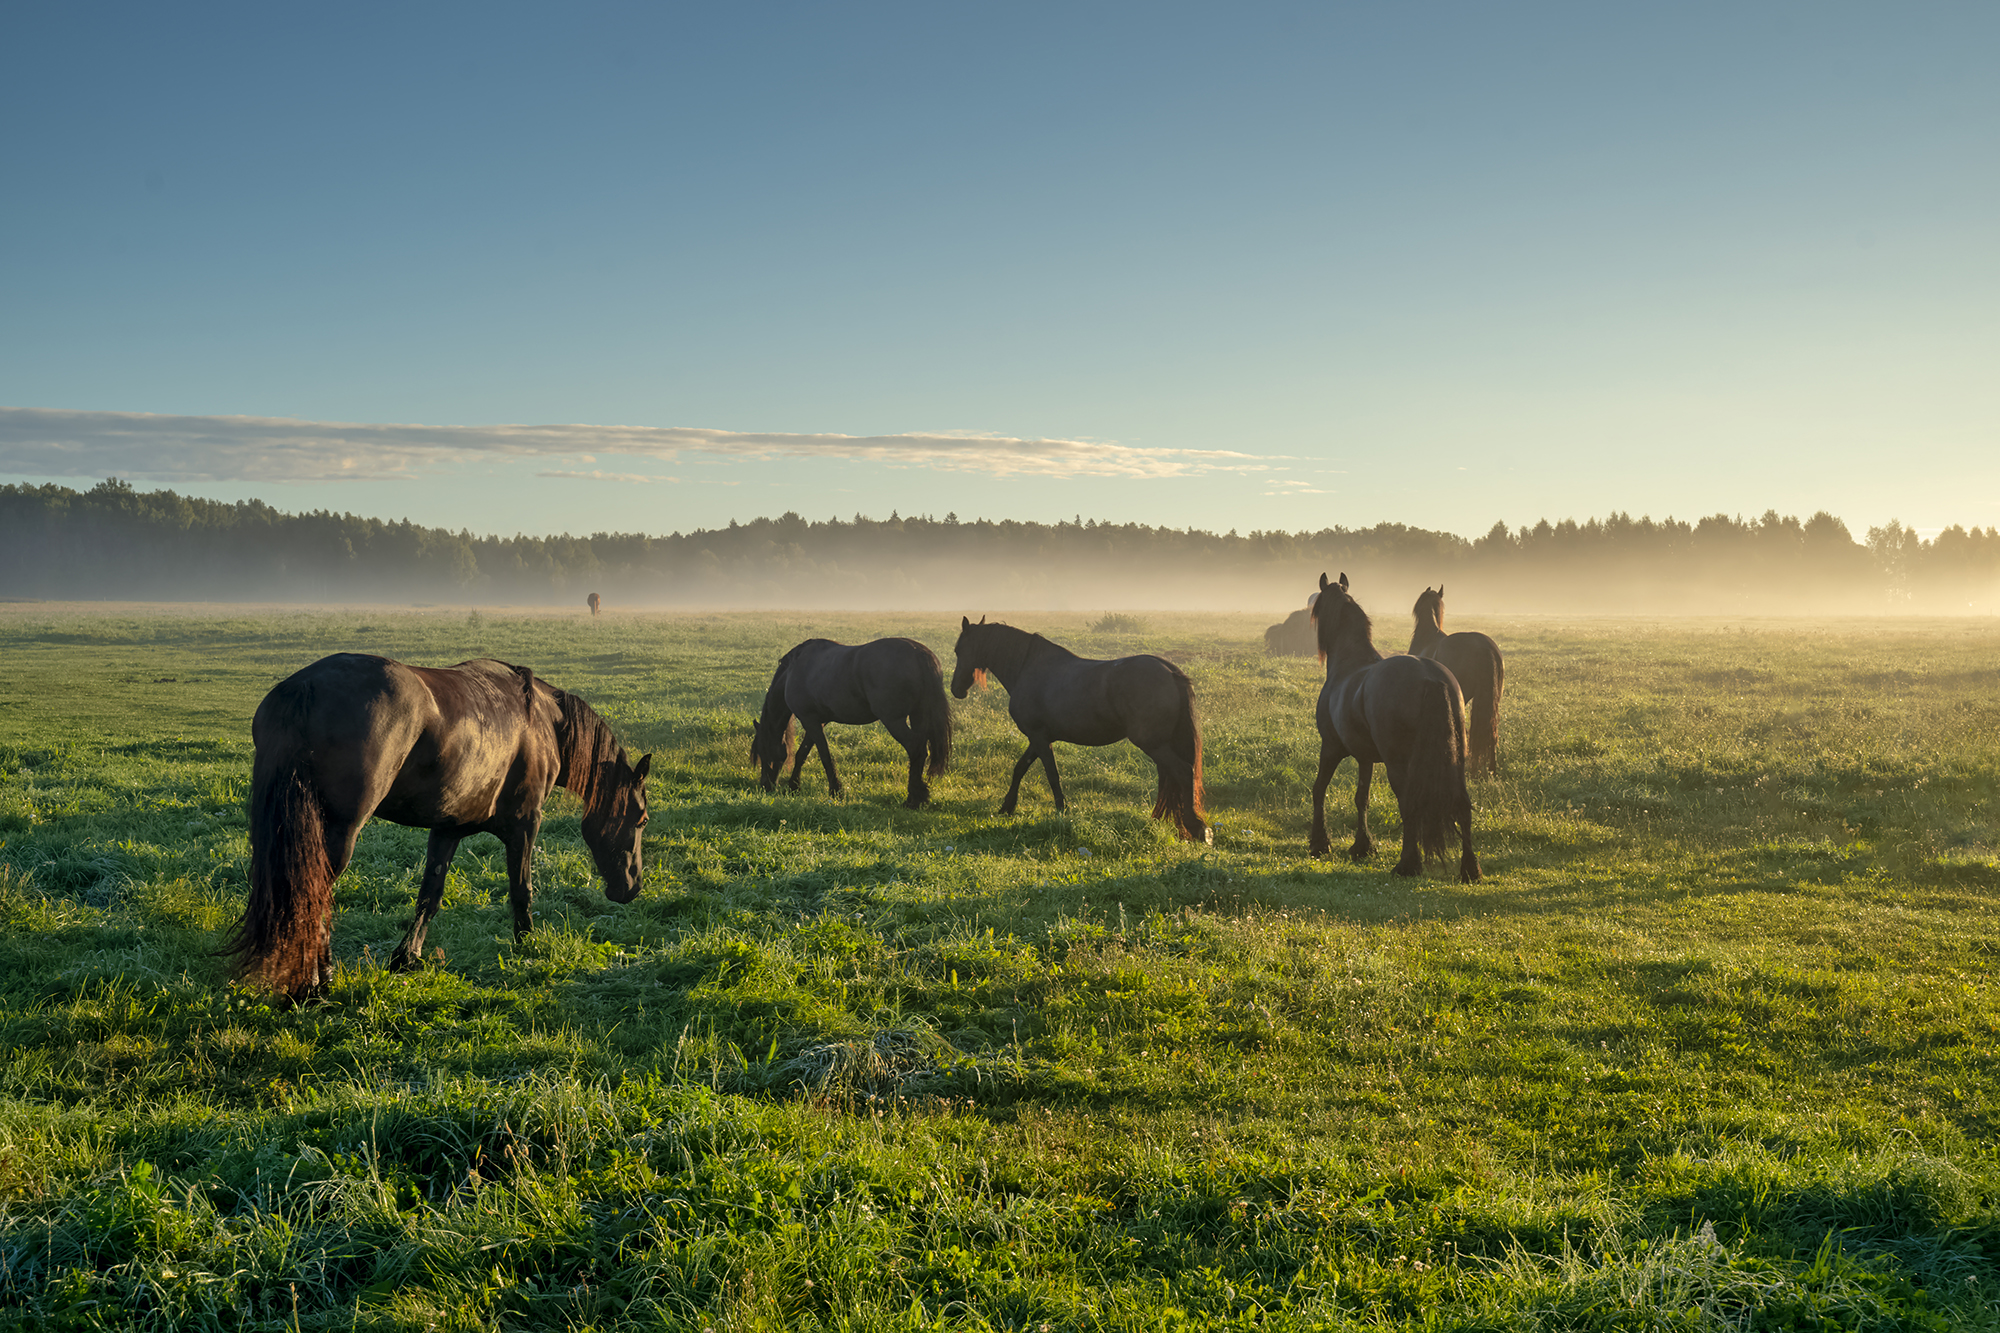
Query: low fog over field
116	543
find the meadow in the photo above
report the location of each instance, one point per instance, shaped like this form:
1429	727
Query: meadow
1712	1045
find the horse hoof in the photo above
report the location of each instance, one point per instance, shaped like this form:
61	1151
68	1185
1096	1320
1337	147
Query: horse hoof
404	961
1361	851
1406	868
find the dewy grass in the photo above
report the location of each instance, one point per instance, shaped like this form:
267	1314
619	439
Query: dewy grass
1712	1046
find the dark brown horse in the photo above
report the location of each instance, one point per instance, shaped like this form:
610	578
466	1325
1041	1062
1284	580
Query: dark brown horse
596	605
1404	713
1054	695
459	750
897	682
1475	660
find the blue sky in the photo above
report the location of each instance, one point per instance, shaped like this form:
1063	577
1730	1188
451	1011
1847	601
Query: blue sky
1230	267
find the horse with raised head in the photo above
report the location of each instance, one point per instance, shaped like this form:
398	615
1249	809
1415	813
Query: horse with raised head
1402	712
897	682
1054	695
474	748
1475	660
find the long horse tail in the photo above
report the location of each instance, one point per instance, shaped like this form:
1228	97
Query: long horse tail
1184	803
1437	771
933	719
1484	724
283	931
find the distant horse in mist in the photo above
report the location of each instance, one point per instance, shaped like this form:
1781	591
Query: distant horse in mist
897	682
1475	660
1293	637
474	748
1054	695
1404	713
596	604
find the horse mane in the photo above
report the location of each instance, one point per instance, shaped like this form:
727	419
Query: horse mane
1323	629
586	748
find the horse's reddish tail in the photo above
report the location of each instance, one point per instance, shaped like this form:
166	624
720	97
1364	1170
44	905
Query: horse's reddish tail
1184	803
933	721
1437	772
282	935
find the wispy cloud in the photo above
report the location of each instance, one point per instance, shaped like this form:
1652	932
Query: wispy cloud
596	474
45	442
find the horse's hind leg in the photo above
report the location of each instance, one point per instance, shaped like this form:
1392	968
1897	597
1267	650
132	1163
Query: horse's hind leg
1364	845
443	846
1412	862
913	745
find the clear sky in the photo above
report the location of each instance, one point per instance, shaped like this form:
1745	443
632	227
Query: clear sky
1224	266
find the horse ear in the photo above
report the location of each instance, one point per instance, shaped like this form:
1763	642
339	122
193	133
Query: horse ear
644	767
1440	592
1322	582
965	622
1343	580
982	620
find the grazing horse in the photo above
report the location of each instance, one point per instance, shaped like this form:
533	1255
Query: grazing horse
596	604
1404	713
1293	636
459	750
895	681
1054	695
1475	660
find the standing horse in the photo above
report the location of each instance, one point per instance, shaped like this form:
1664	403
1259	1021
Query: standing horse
596	605
1404	713
1475	660
459	750
895	681
1054	695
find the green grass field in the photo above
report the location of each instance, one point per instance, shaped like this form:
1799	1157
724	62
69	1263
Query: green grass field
1713	1045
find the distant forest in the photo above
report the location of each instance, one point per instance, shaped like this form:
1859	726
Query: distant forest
113	542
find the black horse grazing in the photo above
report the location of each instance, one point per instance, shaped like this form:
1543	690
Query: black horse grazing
459	750
895	681
1054	695
1404	713
1475	660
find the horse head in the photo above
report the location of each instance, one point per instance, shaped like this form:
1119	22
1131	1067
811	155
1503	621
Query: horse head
971	668
770	747
614	824
1333	612
1429	609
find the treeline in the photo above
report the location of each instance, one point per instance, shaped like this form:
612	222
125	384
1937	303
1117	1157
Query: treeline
115	542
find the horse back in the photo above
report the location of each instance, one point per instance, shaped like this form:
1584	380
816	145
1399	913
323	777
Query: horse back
1097	701
860	683
424	746
1475	660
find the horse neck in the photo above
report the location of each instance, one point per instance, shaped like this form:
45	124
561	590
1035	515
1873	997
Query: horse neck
1008	652
1428	631
1353	650
776	711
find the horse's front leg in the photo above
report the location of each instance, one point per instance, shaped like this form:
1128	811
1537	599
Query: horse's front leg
1055	781
913	745
1020	771
1330	755
443	846
815	739
1364	846
520	842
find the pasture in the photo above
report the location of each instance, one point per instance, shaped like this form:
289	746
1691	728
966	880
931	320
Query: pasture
1712	1046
